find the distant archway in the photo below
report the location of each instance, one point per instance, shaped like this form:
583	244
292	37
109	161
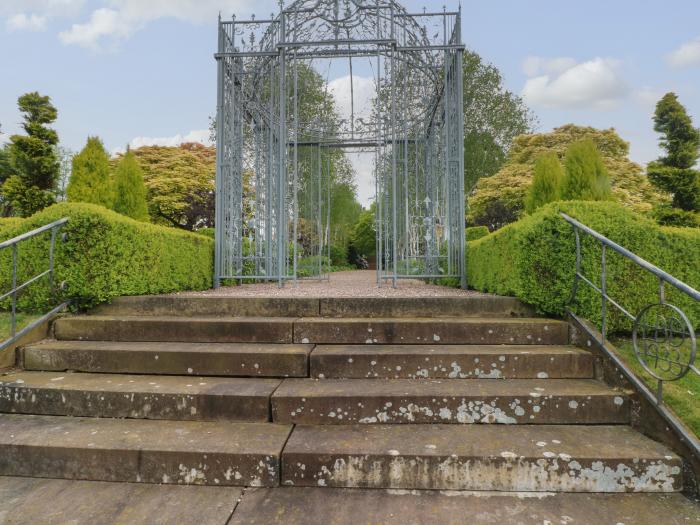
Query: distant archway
415	131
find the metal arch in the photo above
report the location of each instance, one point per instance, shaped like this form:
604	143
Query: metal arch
275	162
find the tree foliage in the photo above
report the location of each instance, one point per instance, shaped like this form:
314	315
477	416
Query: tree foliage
676	173
500	199
586	176
90	179
34	163
129	189
493	117
364	235
546	183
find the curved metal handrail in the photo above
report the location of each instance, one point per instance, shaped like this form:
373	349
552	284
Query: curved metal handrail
663	336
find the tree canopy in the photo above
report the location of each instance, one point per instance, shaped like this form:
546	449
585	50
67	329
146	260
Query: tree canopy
129	189
90	179
500	199
546	183
586	177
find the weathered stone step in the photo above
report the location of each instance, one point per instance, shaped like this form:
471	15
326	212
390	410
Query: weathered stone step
447	361
175	329
193	306
480	457
167	452
421	331
321	506
204	359
58	501
512	401
137	396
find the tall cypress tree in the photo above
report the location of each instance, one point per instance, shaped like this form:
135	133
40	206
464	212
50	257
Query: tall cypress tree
676	173
90	179
33	158
586	177
546	182
129	189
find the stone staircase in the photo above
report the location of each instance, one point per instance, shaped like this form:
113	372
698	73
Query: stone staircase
454	394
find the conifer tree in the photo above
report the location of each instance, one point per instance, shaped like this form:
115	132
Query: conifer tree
129	189
676	173
546	183
586	178
90	178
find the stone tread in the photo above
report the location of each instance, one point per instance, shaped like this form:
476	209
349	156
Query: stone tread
449	361
215	359
323	506
480	457
136	396
525	401
422	330
179	452
24	501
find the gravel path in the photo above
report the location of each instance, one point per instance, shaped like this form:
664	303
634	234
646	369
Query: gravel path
361	283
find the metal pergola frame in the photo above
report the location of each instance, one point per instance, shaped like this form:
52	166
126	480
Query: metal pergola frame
275	166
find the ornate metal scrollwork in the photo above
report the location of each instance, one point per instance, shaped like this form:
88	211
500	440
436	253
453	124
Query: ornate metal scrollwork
664	341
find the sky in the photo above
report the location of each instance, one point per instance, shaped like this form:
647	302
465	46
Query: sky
142	72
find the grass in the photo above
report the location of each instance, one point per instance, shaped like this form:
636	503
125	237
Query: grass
6	323
680	396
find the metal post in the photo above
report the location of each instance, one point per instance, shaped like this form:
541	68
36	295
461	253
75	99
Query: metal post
460	113
13	330
604	295
282	177
220	141
51	261
394	167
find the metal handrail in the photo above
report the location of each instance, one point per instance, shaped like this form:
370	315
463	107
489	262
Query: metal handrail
14	244
661	330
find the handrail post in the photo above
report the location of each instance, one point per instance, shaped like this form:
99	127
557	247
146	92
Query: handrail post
574	290
604	289
13	330
51	261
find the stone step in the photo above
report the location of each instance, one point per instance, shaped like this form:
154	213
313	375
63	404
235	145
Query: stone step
26	500
137	396
480	457
396	401
175	329
446	361
421	331
193	306
204	359
323	506
133	450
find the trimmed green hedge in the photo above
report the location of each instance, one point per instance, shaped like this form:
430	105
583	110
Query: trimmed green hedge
106	255
534	259
476	232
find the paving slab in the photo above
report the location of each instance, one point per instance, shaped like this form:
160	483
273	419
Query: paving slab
318	506
143	451
204	359
527	458
63	502
450	362
421	331
175	329
407	401
465	306
137	396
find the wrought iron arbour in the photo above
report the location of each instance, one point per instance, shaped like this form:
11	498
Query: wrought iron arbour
273	167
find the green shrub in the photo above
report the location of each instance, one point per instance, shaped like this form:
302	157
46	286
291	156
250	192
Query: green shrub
546	182
339	255
106	255
534	259
669	216
586	177
477	232
207	232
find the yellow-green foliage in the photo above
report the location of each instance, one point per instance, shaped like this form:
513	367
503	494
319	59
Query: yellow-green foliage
534	259
476	232
106	255
499	199
546	183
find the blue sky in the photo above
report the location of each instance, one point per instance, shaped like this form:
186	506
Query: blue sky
132	71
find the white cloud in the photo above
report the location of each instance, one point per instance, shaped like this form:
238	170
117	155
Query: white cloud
648	96
122	18
595	84
363	92
533	66
201	136
24	22
685	56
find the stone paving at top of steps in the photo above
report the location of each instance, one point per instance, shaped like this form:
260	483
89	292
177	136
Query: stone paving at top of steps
515	331
137	396
531	458
208	359
143	451
323	506
408	401
34	501
450	362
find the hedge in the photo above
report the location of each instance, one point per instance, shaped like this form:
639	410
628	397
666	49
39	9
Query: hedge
534	259
106	255
476	232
